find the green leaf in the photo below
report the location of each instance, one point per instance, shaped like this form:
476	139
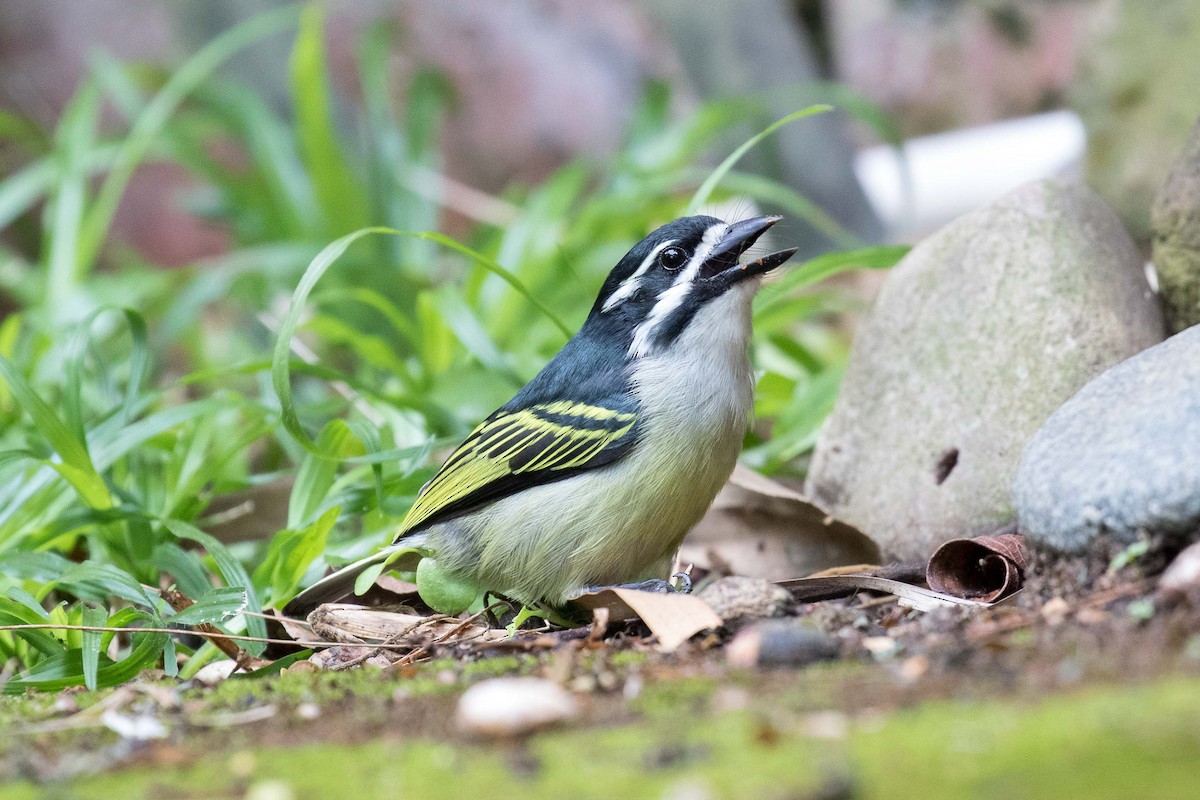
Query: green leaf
275	667
26	599
139	361
316	475
182	565
290	554
95	580
42	567
76	466
797	427
13	612
74	138
394	552
231	571
66	668
214	606
280	362
90	655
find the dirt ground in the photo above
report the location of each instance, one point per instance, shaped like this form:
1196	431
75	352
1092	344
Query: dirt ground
1086	683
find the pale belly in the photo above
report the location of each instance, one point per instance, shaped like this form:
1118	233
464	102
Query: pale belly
609	526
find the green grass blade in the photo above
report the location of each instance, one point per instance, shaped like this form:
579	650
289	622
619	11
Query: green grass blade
706	189
280	374
75	137
79	470
157	112
316	475
92	616
13	612
139	361
338	192
825	266
66	669
290	554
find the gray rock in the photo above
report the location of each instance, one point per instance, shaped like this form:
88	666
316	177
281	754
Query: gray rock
1176	222
1121	456
977	336
1136	90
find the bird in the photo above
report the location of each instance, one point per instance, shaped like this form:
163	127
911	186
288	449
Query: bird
593	473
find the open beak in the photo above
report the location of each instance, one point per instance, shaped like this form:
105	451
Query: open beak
722	265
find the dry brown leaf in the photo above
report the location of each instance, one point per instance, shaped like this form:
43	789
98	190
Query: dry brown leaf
985	568
761	528
672	617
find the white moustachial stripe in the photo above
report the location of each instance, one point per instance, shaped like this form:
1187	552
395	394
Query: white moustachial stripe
672	297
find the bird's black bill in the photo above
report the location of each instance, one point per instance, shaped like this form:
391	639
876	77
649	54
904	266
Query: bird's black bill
722	264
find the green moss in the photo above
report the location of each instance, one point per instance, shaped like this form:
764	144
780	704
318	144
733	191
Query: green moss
684	697
1106	743
1101	743
627	658
499	665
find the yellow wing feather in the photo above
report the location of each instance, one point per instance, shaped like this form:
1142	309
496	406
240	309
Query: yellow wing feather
547	438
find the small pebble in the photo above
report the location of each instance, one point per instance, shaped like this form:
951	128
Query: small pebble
214	673
270	790
913	668
308	711
782	643
137	727
825	725
880	646
514	706
1055	610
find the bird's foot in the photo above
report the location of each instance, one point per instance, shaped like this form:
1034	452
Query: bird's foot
656	585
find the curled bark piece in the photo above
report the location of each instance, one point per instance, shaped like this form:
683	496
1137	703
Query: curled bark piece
984	569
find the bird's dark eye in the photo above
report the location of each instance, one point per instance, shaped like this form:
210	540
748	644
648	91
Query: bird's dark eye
672	258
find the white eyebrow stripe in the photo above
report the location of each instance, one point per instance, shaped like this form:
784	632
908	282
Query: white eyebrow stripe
673	296
630	284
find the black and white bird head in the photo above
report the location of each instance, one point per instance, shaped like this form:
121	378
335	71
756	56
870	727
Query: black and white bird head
685	267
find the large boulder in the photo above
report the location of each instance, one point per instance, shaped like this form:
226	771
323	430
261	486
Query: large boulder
977	336
1176	221
1122	456
1136	91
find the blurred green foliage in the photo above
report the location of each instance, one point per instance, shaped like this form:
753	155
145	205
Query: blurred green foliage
141	409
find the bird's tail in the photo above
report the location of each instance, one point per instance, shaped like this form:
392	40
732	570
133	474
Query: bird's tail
336	585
